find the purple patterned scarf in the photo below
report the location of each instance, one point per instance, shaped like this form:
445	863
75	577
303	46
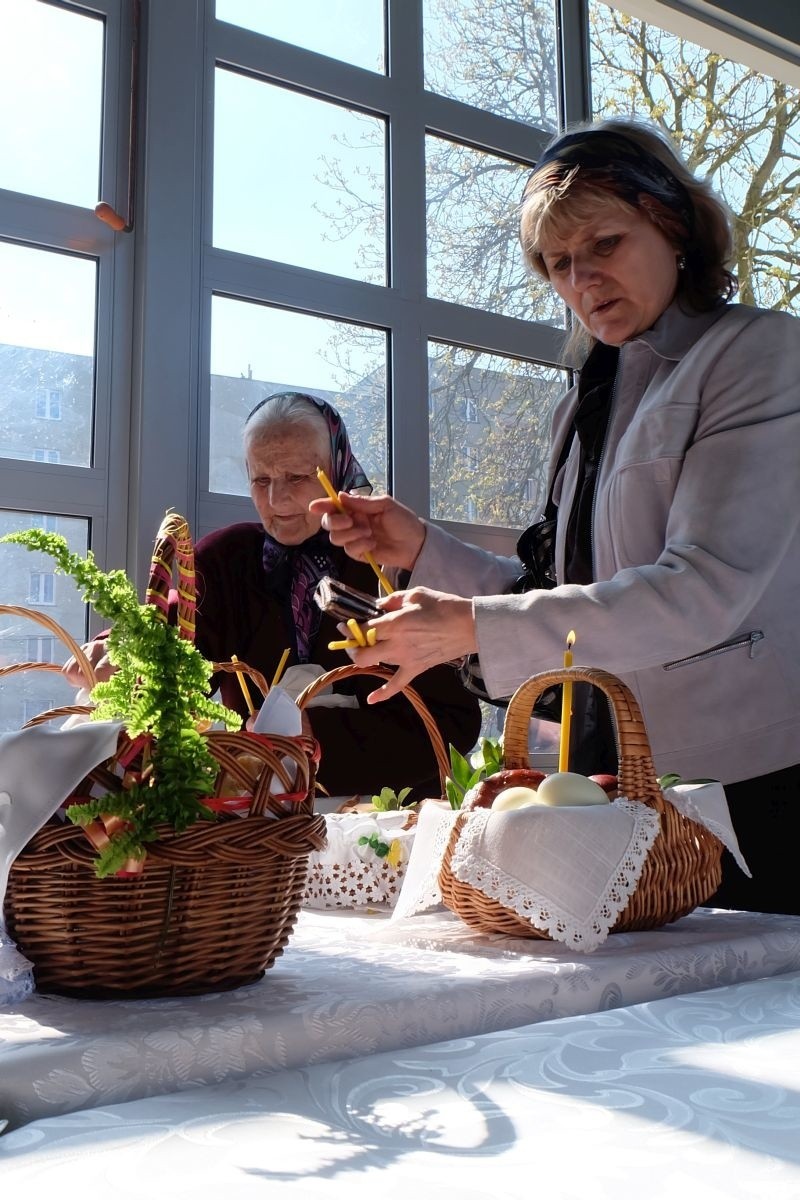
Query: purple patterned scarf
306	564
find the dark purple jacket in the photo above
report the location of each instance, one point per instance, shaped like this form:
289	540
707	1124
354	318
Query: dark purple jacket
364	748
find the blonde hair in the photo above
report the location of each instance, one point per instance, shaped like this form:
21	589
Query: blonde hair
580	175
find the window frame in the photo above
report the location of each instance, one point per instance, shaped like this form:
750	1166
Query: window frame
96	493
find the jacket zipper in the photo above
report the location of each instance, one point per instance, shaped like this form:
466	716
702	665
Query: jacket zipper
749	639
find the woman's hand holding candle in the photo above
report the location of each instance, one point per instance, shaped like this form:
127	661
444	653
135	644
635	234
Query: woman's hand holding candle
375	525
334	498
420	628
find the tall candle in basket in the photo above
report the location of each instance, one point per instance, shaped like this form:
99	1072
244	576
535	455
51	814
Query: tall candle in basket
566	707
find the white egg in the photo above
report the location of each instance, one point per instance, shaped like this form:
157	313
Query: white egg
569	788
514	797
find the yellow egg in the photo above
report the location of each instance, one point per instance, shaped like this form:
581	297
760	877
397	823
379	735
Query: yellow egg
514	797
568	788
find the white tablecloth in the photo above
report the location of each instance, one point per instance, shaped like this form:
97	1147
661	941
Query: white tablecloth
692	1097
350	985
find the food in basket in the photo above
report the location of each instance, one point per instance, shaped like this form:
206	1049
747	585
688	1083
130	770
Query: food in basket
562	789
609	784
485	791
514	797
570	788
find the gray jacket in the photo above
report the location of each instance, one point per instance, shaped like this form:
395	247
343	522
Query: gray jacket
696	543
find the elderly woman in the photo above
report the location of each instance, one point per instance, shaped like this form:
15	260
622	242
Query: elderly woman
675	486
255	598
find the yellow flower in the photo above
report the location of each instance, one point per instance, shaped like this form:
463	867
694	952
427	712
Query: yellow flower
395	855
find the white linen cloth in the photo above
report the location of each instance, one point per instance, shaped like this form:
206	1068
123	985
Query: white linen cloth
351	984
570	871
296	678
689	1096
39	767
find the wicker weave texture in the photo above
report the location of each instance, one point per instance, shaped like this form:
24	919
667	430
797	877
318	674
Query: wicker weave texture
216	903
683	867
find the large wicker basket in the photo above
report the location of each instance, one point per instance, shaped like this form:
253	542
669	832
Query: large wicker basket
215	904
682	868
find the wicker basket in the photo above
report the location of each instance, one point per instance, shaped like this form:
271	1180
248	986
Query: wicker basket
215	904
354	882
683	867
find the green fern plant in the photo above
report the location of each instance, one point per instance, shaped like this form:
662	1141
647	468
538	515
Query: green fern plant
160	689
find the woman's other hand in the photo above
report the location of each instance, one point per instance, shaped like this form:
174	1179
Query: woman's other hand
96	653
377	525
421	628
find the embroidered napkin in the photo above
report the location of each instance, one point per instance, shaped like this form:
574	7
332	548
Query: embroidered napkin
569	871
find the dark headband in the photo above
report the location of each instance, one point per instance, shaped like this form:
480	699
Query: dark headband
630	168
346	471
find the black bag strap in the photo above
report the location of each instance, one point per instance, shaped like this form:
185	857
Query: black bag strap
550	509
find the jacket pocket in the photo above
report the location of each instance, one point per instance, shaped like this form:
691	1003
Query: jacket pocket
747	641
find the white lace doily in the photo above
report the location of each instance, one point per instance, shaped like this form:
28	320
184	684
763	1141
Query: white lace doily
569	871
572	877
350	872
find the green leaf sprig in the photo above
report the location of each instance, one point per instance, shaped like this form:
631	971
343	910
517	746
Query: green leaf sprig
466	772
160	688
388	800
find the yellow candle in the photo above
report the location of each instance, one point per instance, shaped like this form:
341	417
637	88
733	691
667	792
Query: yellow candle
566	707
356	631
251	708
326	483
279	668
347	644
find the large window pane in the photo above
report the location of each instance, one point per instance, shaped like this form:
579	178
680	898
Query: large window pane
51	95
28	579
298	179
489	434
736	126
47	326
257	350
474	256
498	57
341	29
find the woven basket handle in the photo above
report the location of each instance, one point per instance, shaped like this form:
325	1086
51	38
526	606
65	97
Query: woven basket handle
53	627
173	547
238	667
349	671
637	775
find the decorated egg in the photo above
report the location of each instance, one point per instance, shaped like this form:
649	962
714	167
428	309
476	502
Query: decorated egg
569	788
514	797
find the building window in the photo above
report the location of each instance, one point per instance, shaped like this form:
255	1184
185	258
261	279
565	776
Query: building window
470	411
531	491
40	454
42	587
41	649
48	405
46	521
34	708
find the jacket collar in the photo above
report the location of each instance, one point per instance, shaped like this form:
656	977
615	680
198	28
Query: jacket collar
678	329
